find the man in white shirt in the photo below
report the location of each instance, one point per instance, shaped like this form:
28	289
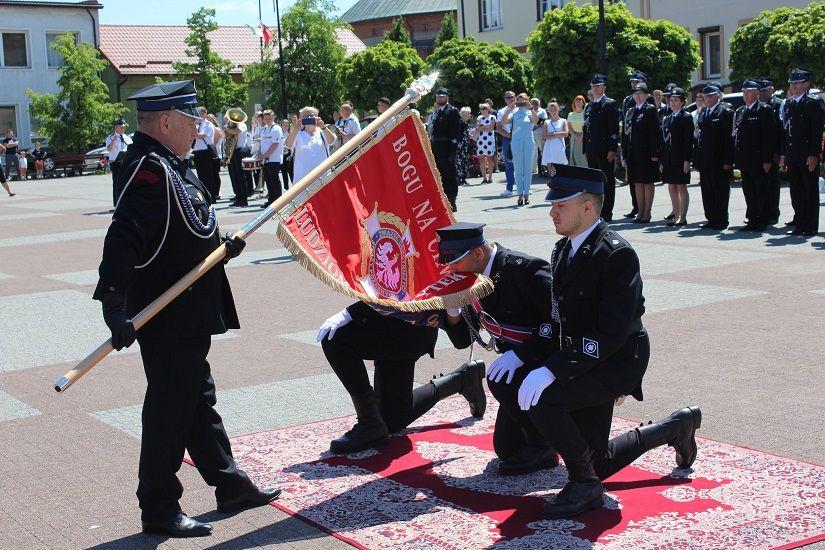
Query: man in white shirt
205	152
116	145
272	152
349	124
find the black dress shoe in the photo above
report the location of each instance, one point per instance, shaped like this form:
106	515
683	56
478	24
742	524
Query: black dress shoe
575	498
678	430
795	232
790	223
529	459
252	499
631	214
809	233
179	526
679	224
670	217
707	225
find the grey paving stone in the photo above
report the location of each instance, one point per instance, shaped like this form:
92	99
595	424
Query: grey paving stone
62	204
83	278
261	407
308	337
12	409
663	295
52	237
6	276
27	216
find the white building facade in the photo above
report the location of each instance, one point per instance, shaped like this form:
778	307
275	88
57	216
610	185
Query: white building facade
27	28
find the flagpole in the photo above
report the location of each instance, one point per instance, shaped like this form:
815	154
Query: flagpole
260	26
281	69
414	93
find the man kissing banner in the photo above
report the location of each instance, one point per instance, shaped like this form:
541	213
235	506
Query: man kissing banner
368	229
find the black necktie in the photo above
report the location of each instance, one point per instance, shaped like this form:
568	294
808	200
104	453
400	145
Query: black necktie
563	258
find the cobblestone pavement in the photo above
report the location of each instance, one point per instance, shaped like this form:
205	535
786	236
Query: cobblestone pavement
735	320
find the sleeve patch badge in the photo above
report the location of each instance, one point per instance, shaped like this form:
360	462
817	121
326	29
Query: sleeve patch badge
546	330
590	347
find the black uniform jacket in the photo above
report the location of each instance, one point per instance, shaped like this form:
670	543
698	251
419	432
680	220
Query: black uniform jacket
754	135
600	303
398	334
601	127
677	139
715	142
643	129
521	298
154	240
447	128
803	129
776	106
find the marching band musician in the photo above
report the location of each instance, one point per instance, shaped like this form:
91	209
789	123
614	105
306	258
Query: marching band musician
150	244
205	153
241	179
272	153
116	144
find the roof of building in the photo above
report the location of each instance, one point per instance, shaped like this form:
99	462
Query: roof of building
151	49
86	4
367	10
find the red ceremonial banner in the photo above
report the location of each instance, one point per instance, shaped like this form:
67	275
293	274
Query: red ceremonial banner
369	230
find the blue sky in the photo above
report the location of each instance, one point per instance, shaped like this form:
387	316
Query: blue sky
175	12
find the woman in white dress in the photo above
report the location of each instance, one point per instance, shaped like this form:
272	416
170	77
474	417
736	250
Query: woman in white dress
555	130
486	142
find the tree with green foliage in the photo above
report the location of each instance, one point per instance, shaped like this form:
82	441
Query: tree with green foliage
398	32
778	41
385	69
475	70
217	90
565	51
80	114
312	60
448	30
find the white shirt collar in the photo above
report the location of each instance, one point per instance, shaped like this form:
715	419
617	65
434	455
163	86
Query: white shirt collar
489	267
798	98
576	242
598	100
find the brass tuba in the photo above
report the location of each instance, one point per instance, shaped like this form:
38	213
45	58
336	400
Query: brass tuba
234	116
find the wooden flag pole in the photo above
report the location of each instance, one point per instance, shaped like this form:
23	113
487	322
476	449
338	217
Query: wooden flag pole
417	89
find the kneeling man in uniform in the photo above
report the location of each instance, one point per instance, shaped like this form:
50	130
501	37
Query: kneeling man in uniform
600	352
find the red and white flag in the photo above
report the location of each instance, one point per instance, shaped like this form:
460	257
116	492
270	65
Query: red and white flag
368	229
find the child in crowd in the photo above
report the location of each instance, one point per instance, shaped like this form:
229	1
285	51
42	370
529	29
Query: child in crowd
24	164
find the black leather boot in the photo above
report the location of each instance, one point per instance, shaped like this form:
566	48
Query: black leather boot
583	492
678	430
468	380
528	459
368	431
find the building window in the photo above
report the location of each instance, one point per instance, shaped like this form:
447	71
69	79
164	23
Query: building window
489	15
8	119
14	53
543	6
54	58
711	42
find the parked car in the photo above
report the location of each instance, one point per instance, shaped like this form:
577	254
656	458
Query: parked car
68	164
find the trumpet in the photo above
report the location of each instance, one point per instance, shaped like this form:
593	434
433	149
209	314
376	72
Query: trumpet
234	115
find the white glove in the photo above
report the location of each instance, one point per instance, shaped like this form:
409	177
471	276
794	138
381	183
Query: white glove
534	383
506	363
454	312
332	324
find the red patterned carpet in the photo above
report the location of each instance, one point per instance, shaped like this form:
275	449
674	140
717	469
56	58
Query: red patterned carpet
436	487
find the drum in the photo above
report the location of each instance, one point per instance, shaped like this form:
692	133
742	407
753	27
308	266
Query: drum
252	163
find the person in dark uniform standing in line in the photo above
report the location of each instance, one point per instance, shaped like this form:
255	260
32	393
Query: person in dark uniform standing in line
754	145
600	352
150	244
394	341
205	153
766	91
517	319
676	152
446	134
636	77
642	138
801	148
714	156
664	109
117	144
600	139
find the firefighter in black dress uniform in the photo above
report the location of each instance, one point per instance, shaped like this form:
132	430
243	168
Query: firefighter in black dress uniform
446	135
714	156
641	134
601	138
754	145
600	352
801	149
677	150
517	320
766	91
163	226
